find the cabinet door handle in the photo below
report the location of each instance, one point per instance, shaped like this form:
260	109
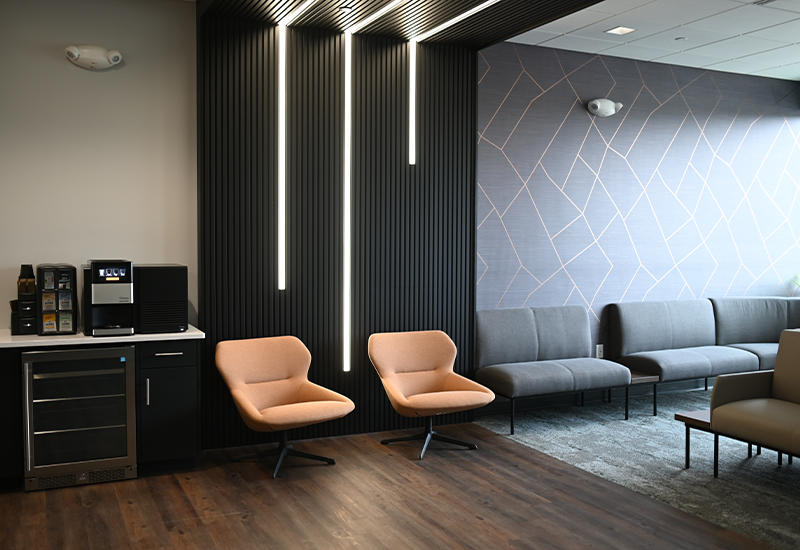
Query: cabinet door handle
169	354
147	392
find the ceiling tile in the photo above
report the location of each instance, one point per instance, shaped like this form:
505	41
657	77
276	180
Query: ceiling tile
578	44
536	36
786	32
689	59
791	5
786	55
574	21
736	66
682	11
787	72
613	7
644	27
738	46
631	51
741	20
666	40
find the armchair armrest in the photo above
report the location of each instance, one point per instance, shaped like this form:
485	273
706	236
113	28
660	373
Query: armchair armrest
738	387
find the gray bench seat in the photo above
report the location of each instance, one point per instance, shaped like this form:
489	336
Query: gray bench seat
688	363
675	340
528	352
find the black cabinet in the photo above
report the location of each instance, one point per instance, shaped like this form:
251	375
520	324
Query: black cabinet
167	400
11	439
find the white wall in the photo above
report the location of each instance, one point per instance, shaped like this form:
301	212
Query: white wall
97	164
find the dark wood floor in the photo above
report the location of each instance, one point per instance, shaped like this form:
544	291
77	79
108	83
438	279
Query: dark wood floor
503	495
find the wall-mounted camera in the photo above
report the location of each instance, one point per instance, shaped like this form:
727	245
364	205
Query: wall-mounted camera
603	107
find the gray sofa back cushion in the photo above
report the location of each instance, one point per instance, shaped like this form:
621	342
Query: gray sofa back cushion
505	336
563	332
649	326
749	320
794	312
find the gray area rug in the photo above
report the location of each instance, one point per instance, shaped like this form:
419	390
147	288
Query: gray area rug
753	497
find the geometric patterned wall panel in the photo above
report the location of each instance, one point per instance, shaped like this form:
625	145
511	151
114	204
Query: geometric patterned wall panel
691	190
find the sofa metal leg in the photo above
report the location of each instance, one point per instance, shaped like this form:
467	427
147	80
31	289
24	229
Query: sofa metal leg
780	459
627	399
789	459
749	450
716	455
655	399
758	449
583	396
706	384
512	416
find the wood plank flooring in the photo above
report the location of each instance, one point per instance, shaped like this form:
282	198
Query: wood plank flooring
503	495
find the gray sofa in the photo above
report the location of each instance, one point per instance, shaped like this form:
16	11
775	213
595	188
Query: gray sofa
675	340
702	338
528	352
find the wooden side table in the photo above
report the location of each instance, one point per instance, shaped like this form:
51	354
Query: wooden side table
699	420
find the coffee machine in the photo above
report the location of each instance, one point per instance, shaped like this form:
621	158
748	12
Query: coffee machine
108	300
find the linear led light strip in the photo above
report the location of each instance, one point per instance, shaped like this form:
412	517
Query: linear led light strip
347	275
412	81
282	24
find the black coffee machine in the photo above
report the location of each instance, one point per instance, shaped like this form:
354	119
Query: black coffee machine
108	298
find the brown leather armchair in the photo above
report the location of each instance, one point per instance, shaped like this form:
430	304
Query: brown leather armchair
762	407
416	369
268	380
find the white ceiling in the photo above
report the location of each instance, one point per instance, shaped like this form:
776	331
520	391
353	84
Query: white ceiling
737	36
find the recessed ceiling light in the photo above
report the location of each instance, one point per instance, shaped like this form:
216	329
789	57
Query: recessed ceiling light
620	30
681	38
345	9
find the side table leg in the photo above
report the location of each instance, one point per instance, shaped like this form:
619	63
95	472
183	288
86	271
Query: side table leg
688	431
716	455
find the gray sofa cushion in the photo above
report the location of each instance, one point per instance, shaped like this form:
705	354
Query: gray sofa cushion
589	373
650	326
766	353
688	363
505	336
563	332
750	320
526	379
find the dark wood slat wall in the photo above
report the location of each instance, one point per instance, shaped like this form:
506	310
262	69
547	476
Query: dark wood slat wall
413	232
237	123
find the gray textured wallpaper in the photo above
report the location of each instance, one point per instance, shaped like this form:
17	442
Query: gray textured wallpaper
691	190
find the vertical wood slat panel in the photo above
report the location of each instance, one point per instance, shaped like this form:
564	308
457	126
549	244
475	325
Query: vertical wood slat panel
413	235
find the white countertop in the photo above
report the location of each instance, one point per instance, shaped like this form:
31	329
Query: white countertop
34	341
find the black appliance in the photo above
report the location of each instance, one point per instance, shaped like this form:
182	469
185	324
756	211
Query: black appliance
162	294
80	416
23	309
56	294
108	298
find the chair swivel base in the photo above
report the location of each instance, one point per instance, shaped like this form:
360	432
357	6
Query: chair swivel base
428	434
282	451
